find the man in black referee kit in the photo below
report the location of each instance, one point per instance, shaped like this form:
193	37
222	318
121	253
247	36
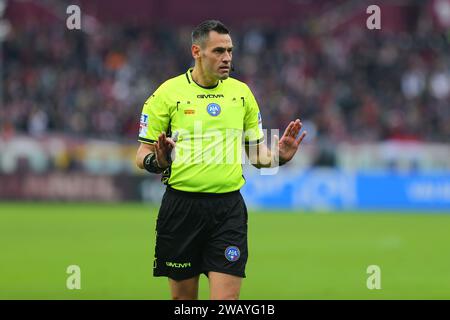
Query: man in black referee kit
203	115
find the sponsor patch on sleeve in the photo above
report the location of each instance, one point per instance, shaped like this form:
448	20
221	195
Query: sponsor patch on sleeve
259	121
143	125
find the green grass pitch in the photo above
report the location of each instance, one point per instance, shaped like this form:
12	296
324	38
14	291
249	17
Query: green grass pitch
292	255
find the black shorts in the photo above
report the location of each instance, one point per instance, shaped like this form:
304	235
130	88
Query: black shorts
200	232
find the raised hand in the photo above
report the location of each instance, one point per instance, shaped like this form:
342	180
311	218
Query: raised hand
163	150
288	145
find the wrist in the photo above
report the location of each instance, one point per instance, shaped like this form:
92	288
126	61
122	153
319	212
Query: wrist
151	164
158	164
277	161
282	162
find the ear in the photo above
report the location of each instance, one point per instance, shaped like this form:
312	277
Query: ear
195	49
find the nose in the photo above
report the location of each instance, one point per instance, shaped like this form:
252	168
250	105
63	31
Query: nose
226	57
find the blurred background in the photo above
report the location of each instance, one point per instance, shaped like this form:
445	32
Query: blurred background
376	105
374	102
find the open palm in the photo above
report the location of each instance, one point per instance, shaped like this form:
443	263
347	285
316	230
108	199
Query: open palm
289	143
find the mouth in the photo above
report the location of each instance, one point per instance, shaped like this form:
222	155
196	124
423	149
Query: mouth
224	68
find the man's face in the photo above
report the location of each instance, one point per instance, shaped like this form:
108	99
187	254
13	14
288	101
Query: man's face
215	55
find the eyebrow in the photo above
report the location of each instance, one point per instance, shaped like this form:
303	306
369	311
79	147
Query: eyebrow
222	48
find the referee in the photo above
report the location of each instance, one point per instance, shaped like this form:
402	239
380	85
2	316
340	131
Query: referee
204	115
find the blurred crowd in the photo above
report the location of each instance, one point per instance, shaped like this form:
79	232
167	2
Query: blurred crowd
357	86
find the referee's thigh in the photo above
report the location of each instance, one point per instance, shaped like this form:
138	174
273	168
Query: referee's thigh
180	237
226	249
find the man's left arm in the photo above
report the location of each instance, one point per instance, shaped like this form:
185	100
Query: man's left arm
283	149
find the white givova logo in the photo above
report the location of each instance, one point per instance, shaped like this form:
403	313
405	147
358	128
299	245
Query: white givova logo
374	280
74	280
74	20
374	21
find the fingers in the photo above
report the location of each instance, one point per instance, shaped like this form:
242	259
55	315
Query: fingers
161	152
170	143
166	144
161	142
293	129
157	149
175	136
287	132
302	136
296	128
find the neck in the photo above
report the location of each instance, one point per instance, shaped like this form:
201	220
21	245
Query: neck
202	79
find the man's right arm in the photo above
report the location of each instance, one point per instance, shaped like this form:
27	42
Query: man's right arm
156	157
154	151
143	150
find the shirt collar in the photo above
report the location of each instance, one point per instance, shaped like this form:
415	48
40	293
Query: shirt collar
191	81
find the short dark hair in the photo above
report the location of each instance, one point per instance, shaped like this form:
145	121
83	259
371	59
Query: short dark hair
201	32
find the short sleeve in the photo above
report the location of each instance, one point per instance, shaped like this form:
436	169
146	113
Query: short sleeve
155	117
253	133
